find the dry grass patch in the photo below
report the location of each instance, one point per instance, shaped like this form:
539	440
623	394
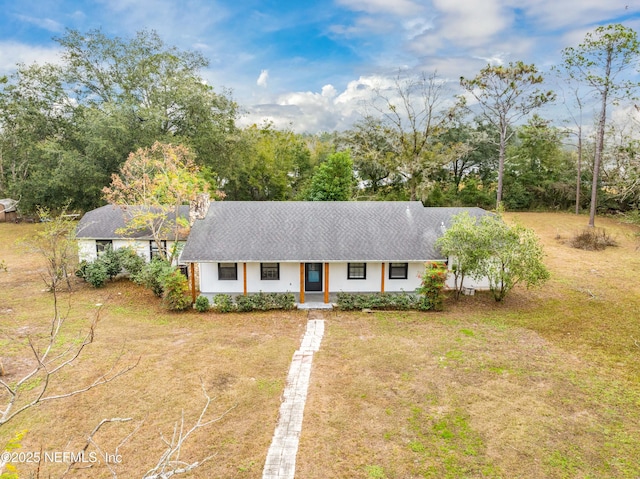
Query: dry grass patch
242	360
423	395
545	385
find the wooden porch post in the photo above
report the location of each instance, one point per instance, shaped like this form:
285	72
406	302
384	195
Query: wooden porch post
301	283
382	280
244	278
326	283
192	272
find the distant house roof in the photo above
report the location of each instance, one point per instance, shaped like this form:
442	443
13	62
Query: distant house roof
8	205
104	223
318	231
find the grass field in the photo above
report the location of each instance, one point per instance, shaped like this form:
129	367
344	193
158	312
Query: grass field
545	385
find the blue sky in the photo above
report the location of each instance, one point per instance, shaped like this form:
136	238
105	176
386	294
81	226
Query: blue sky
309	64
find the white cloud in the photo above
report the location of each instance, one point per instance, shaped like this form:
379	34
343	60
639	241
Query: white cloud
44	23
328	110
12	53
262	79
553	14
466	22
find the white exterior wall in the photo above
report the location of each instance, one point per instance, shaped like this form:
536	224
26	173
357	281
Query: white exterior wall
141	247
209	282
338	279
414	277
290	279
87	248
481	284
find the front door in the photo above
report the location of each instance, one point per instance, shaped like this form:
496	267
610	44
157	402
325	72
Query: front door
313	277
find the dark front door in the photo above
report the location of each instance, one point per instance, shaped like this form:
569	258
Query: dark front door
313	277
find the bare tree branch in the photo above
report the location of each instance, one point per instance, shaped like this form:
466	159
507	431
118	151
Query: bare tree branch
170	464
47	367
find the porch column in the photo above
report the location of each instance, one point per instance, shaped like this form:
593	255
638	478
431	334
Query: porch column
192	273
244	278
326	283
301	283
382	280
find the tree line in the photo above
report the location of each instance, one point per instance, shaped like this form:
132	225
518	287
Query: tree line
66	128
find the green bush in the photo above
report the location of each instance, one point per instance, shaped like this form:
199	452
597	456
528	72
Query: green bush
152	275
175	288
244	303
382	301
255	302
286	301
430	289
130	261
266	301
202	304
96	274
111	261
223	303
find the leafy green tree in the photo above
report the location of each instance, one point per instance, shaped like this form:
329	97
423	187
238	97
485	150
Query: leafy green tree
267	164
157	180
490	248
505	94
468	178
33	108
600	63
541	172
371	149
108	97
512	255
462	245
333	180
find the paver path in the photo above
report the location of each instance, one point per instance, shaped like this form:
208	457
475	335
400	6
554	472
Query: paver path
281	458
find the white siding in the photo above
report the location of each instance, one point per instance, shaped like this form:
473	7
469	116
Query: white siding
141	247
481	284
338	279
290	279
87	250
414	277
209	282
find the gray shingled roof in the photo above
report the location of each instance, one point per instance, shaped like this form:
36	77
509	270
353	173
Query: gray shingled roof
318	231
104	222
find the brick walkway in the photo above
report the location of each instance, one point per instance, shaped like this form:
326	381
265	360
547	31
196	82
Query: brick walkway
281	458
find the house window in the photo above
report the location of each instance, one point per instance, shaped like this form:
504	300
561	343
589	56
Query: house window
357	271
184	269
269	271
102	246
228	271
155	251
398	270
